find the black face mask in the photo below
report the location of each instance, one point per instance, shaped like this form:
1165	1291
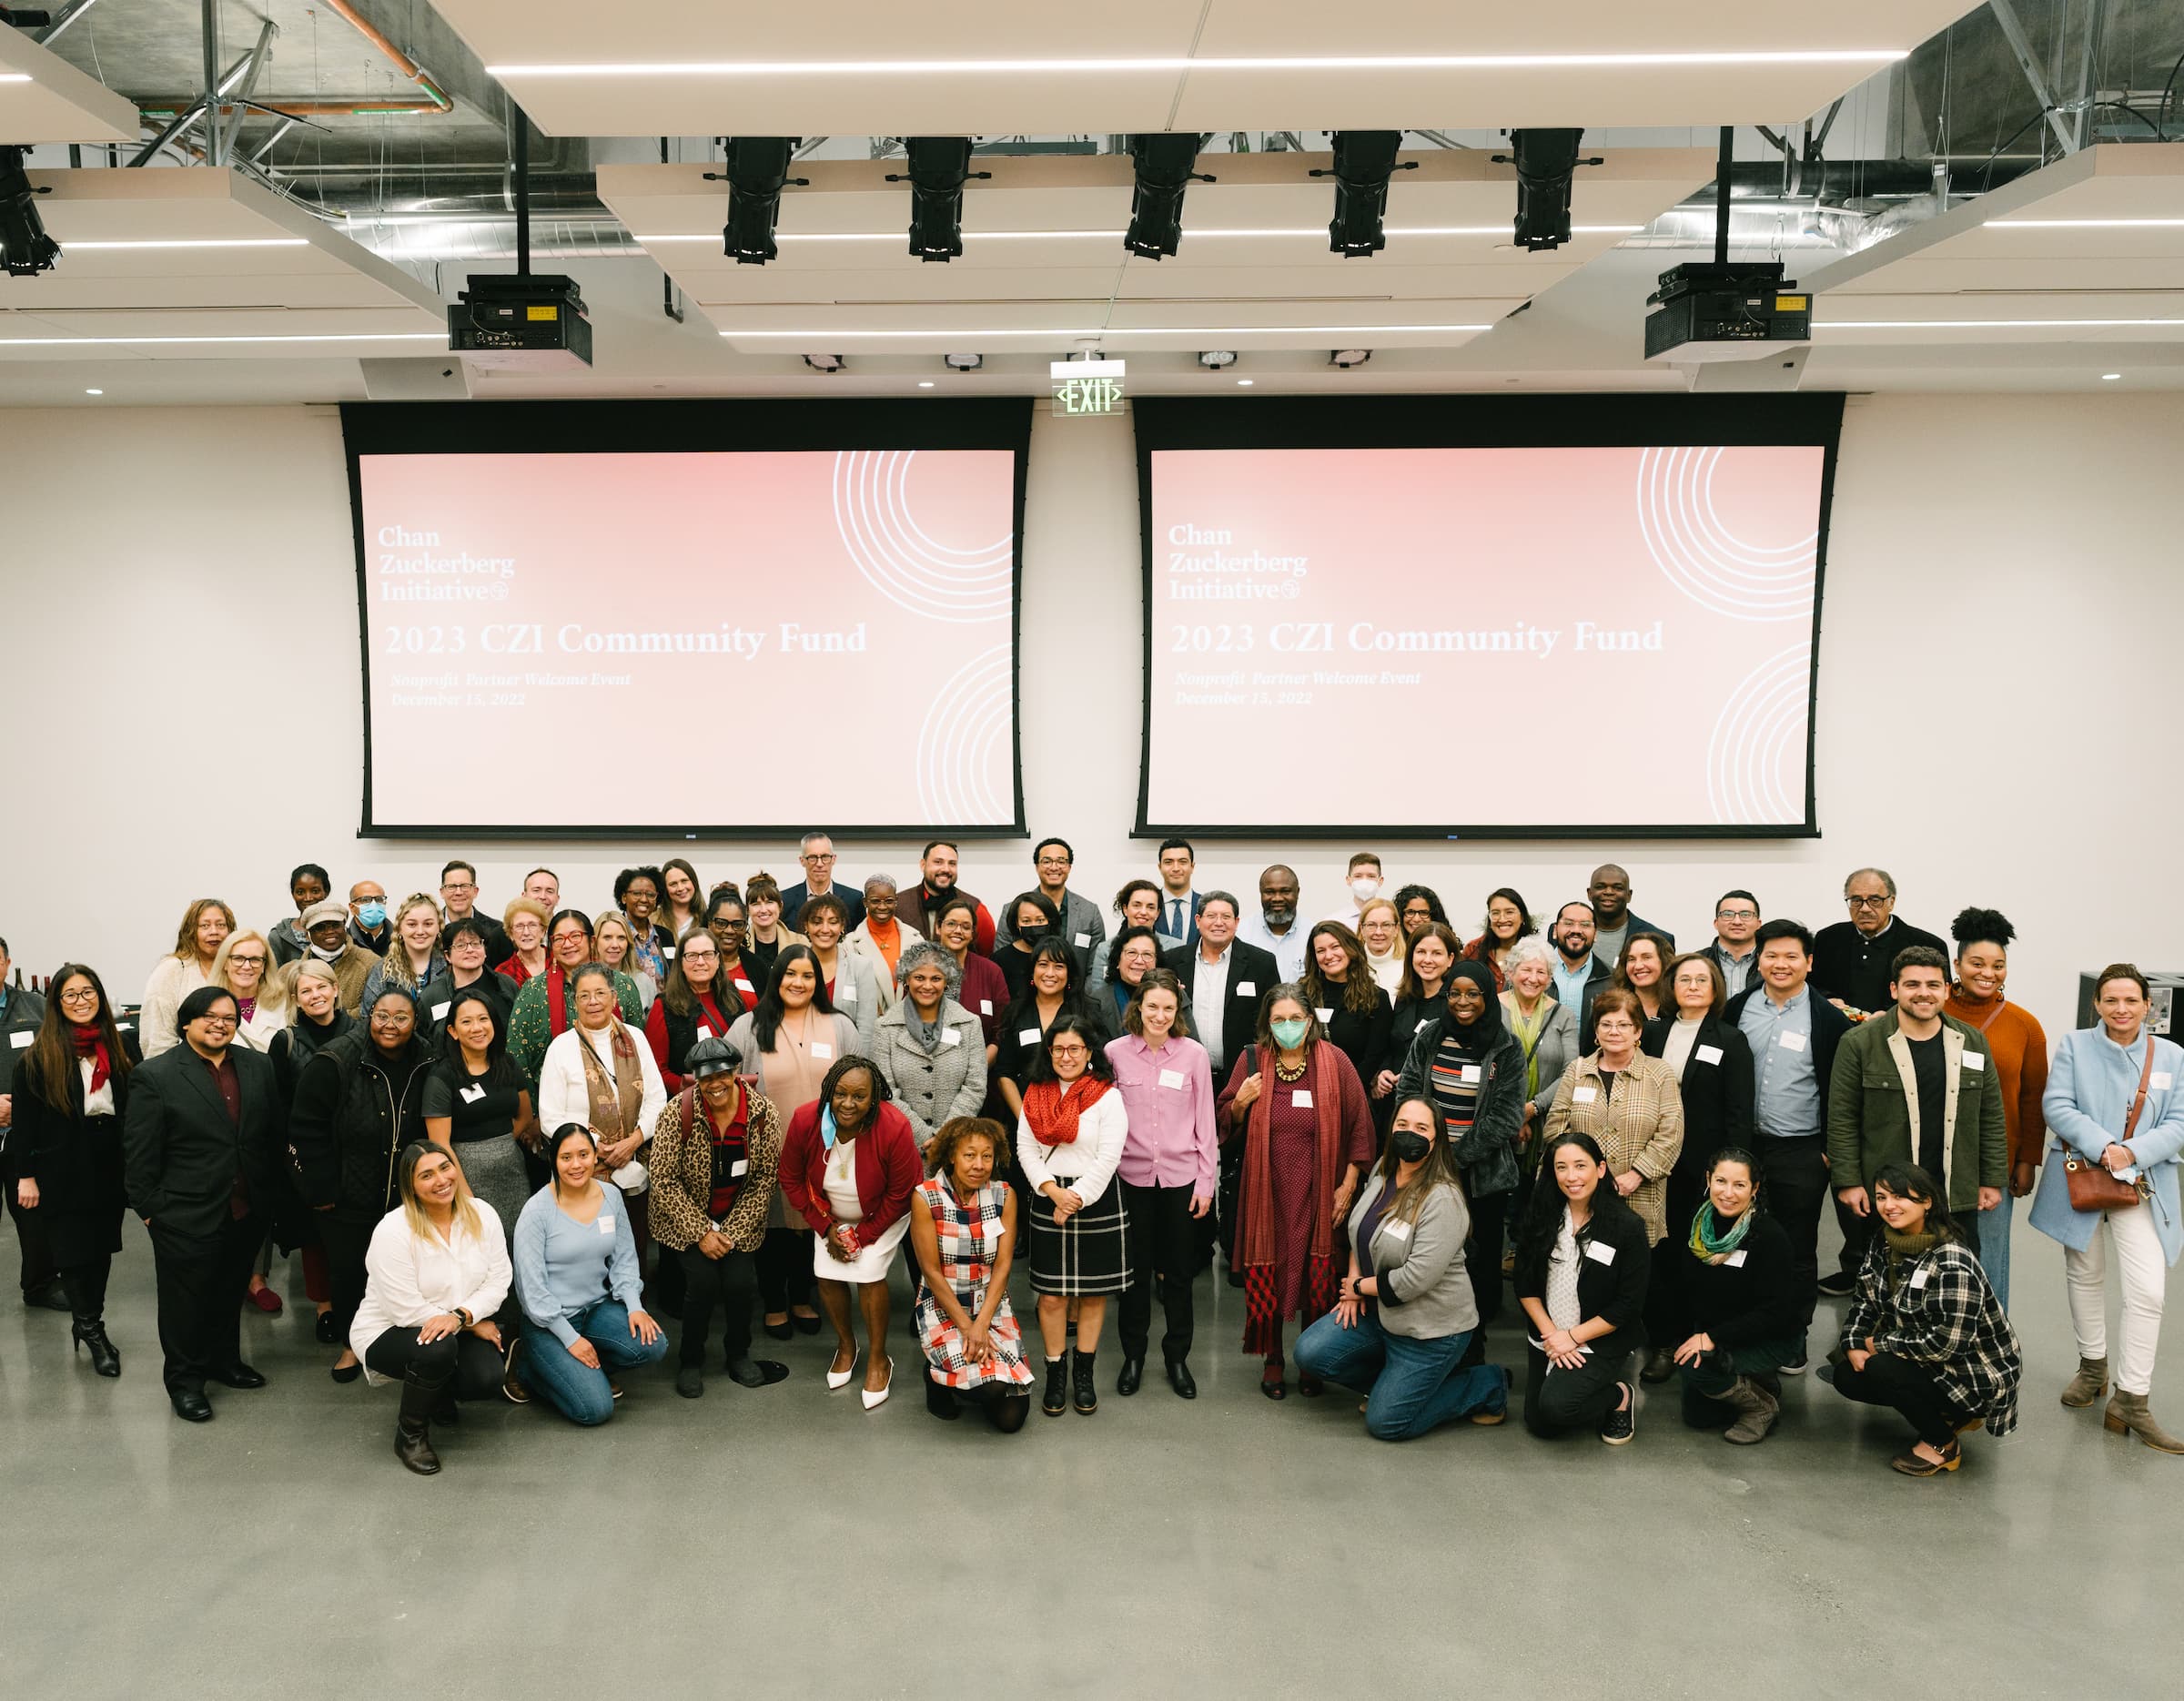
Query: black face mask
1408	1147
1032	935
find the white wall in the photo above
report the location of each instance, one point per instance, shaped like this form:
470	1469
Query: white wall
177	639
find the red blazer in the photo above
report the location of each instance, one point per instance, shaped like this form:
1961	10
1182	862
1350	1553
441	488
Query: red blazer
888	1172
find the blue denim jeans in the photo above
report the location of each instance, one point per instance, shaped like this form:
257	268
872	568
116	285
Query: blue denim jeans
572	1388
1994	1247
1411	1386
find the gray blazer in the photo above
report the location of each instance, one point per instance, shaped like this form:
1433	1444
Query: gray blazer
858	997
930	1091
1425	1287
1080	919
1557	1048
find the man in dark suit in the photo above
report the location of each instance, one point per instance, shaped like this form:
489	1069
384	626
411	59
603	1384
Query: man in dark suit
1224	981
1178	904
816	852
199	1145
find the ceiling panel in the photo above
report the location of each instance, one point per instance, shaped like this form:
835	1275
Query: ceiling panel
199	264
697	67
43	98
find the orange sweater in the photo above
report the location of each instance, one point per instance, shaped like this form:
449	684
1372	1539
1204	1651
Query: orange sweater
2019	1048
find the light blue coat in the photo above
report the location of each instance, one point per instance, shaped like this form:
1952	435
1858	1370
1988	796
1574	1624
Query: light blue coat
2090	1090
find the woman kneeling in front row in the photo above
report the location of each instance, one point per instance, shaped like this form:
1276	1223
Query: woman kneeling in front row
435	1271
1407	1311
1740	1302
577	1277
1582	1267
963	1225
1925	1334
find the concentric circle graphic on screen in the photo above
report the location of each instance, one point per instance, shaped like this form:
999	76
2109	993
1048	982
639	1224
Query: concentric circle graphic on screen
1756	758
963	742
1716	568
900	558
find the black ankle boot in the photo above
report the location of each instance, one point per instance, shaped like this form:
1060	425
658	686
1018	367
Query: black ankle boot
91	1332
1056	1401
939	1401
412	1429
1087	1396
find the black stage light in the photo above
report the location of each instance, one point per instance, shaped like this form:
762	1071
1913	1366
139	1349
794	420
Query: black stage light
1545	161
939	167
1164	165
25	250
1364	161
758	170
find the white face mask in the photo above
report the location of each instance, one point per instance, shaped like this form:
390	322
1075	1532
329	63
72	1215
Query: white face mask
1364	888
325	956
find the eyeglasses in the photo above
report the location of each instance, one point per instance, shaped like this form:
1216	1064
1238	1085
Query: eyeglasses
814	857
217	1021
1069	1052
1736	914
1053	862
1417	912
457	886
80	995
1881	902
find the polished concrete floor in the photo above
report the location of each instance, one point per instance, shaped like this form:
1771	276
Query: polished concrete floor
785	1542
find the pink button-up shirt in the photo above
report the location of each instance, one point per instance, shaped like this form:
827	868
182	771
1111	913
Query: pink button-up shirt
1171	1141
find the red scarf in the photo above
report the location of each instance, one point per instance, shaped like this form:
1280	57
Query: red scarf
556	999
1052	1108
91	1042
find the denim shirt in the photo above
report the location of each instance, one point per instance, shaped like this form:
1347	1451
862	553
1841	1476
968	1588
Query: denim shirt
1788	1097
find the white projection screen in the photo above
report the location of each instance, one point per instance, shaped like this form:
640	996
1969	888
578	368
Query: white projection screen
689	618
1440	617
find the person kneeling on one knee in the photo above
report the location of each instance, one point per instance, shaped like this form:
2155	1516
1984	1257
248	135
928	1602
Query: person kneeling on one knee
1582	1263
1408	1310
1735	1292
577	1277
435	1271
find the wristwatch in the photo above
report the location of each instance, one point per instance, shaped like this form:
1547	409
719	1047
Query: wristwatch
468	1320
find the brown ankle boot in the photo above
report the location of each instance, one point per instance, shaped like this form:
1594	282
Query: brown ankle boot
2127	1414
2091	1382
1756	1411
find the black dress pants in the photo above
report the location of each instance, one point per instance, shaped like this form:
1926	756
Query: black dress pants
1163	1237
1557	1401
1796	1176
346	1240
466	1366
728	1285
31	1239
1909	1387
200	1280
1482	1255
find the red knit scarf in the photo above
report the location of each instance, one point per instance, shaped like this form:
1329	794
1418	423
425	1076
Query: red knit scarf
1051	1109
1255	1233
90	1041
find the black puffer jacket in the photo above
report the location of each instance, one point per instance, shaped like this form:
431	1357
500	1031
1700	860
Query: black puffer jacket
354	1111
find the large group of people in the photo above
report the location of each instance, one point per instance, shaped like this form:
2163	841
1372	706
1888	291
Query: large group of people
506	1150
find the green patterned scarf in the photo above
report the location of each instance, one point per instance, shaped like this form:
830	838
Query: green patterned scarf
1708	1242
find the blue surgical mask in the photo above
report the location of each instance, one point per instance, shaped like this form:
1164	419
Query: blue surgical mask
1289	1032
371	912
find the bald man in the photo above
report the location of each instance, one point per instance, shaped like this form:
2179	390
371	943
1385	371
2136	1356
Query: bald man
1609	895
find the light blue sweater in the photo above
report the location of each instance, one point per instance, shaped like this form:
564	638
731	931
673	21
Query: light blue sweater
2090	1090
564	1266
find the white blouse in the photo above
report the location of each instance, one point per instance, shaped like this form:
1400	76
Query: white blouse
410	1278
564	1098
173	979
1087	1164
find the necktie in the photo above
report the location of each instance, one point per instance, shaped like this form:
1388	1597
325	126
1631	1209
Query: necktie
1174	917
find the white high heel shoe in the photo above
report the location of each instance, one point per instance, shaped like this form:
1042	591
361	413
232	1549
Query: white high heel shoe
870	1400
840	1378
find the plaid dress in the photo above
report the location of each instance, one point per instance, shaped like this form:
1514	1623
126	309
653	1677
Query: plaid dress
967	1238
1940	1313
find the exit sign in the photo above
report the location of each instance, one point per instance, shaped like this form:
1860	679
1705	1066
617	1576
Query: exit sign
1083	388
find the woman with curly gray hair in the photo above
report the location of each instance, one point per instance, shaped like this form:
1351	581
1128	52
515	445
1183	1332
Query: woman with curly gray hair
931	1049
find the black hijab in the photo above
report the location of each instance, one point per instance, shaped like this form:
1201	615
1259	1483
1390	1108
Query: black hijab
1481	1036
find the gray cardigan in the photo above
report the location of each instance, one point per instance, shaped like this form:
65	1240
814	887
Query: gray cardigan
1425	1289
930	1091
1557	1049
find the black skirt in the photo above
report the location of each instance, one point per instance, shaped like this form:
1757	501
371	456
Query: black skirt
1089	1254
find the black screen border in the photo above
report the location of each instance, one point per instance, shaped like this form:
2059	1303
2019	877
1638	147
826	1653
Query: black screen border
1469	421
689	427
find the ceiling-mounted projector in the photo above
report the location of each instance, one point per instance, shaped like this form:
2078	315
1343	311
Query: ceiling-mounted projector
521	324
1725	311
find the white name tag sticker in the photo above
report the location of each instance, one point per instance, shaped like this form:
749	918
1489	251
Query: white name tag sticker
1247	989
2160	1079
1976	1060
949	1036
606	1223
704	1032
472	1094
1600	1252
1396	1231
986	1006
1324	1015
1793	1042
667	950
1583	1095
742	1166
1084	941
123	1028
822	1050
1470	1074
1735	1261
1027	1036
1172	1079
1707	1053
1918	1277
742	985
20	1040
439	1010
1301	1099
845	992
